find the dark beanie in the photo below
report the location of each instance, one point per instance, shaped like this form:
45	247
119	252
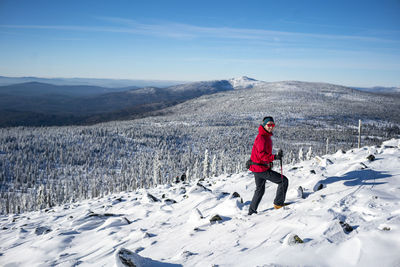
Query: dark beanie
266	120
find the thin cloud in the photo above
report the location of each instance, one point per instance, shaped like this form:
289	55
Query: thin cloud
187	31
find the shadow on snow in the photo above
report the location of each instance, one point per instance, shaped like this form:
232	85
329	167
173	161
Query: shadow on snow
360	177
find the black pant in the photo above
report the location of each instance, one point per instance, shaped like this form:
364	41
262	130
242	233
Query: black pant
261	178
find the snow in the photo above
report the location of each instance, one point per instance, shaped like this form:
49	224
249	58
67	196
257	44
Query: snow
133	228
244	82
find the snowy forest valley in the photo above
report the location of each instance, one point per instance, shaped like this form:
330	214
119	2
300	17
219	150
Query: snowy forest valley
211	135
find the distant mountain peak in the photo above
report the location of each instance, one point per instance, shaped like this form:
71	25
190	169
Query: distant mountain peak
244	82
245	78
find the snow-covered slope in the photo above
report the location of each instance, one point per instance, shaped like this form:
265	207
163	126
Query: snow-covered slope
363	193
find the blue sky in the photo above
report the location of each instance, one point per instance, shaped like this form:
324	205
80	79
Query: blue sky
355	43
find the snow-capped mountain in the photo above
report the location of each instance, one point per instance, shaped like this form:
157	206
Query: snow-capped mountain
347	214
244	82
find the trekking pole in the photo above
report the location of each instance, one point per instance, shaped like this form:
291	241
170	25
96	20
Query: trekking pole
282	179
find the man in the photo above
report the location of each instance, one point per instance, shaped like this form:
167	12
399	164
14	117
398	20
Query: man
262	158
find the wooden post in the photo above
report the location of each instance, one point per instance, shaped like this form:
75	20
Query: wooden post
359	133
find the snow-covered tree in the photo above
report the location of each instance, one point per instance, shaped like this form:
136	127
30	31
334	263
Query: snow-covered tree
309	153
205	164
301	154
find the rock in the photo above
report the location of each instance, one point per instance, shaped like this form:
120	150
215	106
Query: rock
127	221
117	201
139	249
346	227
42	230
318	186
300	192
148	235
183	177
385	146
202	186
235	195
386	228
127	258
371	157
186	254
223	194
363	166
293	239
215	218
182	190
153	198
92	214
169	201
312	172
297	239
199	188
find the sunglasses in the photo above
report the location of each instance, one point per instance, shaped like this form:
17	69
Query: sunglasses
270	125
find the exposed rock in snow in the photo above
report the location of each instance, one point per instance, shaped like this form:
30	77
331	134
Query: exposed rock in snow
42	230
127	258
346	227
199	188
293	239
170	201
215	218
300	192
152	198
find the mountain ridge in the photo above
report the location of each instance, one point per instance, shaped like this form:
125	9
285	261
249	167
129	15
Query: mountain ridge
110	83
99	104
35	102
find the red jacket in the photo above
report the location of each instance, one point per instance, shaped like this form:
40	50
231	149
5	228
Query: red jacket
262	150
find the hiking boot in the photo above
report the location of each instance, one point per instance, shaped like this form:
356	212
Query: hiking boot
278	206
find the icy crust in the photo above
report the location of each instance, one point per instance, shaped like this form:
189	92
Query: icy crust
352	219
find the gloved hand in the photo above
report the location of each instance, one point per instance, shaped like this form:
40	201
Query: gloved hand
279	156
